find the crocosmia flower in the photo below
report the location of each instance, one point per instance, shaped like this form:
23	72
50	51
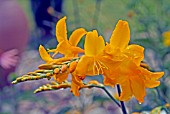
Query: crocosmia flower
129	74
68	47
119	62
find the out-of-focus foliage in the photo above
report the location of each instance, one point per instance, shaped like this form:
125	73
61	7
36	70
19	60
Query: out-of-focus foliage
148	20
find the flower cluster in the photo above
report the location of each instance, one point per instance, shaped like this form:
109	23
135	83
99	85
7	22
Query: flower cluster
118	62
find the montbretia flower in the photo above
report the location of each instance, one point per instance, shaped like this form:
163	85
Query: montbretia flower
134	80
117	61
129	74
60	74
68	47
94	62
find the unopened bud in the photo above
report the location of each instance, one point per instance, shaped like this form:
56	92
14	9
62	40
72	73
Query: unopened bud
64	68
73	66
45	66
56	70
48	74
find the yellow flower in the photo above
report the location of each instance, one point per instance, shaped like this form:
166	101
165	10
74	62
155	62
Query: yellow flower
119	48
59	77
93	62
132	78
117	61
89	63
65	46
166	40
48	59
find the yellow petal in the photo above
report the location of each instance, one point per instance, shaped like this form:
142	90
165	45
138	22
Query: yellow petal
135	52
110	52
125	71
94	45
108	82
64	47
61	30
82	65
151	75
75	89
138	88
76	36
108	63
126	93
157	75
76	50
44	55
77	80
121	35
152	83
126	68
86	66
67	50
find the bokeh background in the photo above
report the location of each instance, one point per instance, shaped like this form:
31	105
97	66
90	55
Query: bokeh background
25	24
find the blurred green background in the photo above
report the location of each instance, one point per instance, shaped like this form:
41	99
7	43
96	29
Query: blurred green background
148	21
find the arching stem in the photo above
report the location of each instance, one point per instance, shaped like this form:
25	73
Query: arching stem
121	102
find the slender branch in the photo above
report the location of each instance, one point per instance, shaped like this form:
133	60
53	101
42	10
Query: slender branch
56	86
121	102
102	87
111	96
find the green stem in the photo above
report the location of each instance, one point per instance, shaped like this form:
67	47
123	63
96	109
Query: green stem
121	102
112	98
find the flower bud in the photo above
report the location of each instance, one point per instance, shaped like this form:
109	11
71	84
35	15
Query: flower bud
56	70
64	68
73	66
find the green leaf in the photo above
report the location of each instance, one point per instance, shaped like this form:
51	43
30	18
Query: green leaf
156	110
